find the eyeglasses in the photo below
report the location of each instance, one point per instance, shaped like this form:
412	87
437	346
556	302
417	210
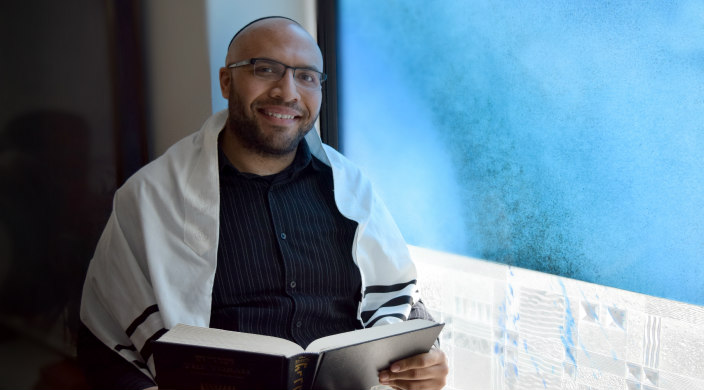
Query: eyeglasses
274	71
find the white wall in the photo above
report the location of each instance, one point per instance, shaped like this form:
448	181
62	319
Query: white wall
510	328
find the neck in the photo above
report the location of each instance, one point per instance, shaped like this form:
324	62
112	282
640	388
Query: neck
250	161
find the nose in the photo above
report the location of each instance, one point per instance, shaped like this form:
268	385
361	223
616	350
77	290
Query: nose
285	89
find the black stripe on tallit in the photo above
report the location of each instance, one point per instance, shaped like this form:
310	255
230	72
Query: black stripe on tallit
146	351
140	320
119	347
387	289
402	300
401	316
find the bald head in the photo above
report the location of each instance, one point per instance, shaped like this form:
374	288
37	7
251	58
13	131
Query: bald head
258	35
257	21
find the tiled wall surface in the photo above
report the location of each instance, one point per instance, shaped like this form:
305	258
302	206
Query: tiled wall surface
510	328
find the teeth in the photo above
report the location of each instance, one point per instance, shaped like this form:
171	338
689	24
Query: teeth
280	116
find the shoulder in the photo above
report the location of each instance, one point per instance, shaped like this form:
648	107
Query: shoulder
193	155
164	175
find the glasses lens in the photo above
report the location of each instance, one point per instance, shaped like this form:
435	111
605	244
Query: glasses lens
268	69
308	78
272	70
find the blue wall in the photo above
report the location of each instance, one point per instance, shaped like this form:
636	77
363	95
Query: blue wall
561	136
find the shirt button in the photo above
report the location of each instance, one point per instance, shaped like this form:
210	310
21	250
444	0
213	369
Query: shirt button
299	324
293	284
283	236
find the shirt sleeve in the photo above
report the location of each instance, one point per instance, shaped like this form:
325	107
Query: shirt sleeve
419	311
104	368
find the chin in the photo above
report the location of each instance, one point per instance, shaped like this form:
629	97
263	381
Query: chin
281	147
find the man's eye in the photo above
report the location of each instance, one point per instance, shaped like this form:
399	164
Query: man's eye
308	77
265	69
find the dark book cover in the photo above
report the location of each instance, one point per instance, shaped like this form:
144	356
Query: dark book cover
181	366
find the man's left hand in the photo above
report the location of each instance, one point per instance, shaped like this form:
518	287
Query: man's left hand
424	371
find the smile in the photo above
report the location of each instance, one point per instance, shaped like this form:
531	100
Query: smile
279	116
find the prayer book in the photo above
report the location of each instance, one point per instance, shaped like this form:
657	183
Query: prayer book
191	357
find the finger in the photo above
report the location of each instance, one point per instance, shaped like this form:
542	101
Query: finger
433	357
416	374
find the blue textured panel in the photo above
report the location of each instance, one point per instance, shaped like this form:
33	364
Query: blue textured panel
561	136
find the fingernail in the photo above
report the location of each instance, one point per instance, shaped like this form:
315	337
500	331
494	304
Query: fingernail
395	368
384	377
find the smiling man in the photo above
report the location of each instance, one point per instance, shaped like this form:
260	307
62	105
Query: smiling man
250	224
271	105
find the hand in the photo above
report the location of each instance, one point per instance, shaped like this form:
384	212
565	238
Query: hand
423	371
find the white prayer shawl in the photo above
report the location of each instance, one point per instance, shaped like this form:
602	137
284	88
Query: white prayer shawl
154	265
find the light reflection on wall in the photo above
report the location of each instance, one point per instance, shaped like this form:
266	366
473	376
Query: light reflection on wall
566	137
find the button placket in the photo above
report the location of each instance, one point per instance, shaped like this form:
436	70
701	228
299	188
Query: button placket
284	225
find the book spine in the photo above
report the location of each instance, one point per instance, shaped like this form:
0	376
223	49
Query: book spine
301	371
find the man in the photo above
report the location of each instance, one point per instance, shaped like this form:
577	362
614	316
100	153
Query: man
250	224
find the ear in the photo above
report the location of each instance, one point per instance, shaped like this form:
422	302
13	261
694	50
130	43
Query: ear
225	78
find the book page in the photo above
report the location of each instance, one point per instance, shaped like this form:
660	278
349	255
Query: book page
218	338
365	335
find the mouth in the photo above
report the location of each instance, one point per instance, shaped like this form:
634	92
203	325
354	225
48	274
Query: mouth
279	115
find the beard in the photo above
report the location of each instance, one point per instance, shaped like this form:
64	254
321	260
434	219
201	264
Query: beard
249	132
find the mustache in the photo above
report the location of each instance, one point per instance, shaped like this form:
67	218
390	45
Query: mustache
273	102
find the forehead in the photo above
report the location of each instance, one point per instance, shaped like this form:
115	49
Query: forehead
277	39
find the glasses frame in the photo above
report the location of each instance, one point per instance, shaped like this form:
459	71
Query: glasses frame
253	61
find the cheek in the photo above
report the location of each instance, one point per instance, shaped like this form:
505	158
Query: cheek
313	104
245	92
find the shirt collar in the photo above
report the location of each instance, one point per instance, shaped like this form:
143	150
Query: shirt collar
303	159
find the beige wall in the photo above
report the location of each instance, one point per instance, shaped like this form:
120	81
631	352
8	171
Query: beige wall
177	73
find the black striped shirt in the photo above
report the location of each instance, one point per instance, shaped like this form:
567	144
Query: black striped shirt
285	264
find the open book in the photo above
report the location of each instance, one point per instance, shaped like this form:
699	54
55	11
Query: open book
191	357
